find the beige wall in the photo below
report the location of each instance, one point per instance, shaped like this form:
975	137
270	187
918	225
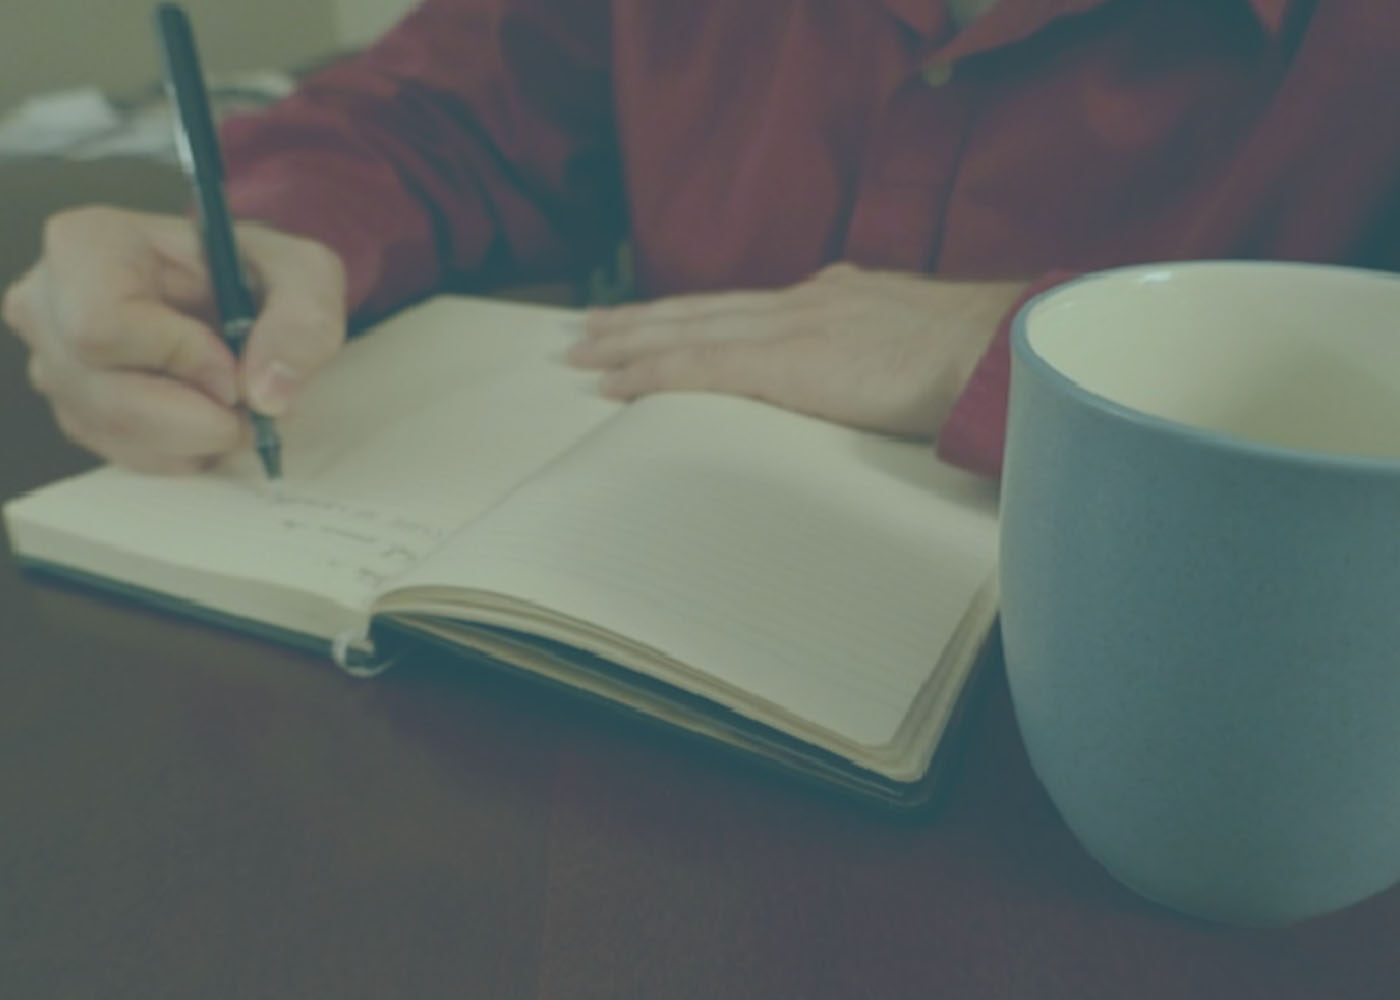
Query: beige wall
49	44
359	21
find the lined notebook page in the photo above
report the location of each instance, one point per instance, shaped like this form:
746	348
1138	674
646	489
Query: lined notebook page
416	429
820	569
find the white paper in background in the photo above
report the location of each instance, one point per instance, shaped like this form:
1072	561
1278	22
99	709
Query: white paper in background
85	124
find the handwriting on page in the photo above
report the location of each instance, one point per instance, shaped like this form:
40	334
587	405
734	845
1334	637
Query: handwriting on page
362	546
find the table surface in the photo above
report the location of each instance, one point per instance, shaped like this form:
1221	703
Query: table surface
192	813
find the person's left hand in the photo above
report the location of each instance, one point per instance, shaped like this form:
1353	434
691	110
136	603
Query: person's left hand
878	350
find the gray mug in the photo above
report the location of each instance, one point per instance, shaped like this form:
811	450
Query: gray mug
1200	578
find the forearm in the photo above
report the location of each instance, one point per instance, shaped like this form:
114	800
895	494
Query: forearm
294	173
473	141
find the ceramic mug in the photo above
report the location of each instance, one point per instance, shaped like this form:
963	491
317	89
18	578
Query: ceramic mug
1200	575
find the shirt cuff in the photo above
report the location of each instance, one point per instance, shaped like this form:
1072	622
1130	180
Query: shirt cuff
974	434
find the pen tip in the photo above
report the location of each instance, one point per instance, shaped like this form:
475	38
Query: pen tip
268	445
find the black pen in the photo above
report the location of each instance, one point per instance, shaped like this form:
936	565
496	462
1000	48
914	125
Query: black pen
198	146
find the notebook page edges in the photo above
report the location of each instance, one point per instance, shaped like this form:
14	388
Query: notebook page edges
901	783
773	563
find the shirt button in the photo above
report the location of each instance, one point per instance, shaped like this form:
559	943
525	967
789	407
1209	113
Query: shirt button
937	72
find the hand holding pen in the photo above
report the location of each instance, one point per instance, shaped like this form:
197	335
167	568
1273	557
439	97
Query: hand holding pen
118	316
198	146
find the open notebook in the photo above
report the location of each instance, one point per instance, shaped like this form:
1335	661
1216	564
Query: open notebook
811	594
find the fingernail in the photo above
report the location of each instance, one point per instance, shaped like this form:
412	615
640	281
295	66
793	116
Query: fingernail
273	388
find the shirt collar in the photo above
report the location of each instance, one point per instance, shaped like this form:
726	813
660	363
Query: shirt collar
927	17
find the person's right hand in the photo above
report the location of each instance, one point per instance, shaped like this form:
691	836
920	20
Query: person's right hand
121	328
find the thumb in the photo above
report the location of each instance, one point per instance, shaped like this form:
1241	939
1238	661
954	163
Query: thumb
301	325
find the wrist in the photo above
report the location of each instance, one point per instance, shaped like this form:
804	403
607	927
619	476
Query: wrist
973	435
994	303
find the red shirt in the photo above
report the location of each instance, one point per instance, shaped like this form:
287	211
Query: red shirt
749	142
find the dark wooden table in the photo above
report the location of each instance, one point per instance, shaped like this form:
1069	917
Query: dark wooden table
192	814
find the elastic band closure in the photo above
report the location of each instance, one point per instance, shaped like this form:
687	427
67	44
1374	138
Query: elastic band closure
355	653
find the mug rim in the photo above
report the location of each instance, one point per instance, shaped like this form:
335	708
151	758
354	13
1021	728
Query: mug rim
1199	437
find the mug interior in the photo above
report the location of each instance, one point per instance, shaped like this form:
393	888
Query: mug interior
1305	357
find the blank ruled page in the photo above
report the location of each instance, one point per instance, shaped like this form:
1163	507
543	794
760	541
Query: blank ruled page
818	569
413	431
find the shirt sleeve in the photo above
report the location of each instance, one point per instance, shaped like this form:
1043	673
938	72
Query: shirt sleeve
472	143
974	434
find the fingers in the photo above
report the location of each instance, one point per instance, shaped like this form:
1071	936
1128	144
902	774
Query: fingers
146	335
15	307
118	319
146	422
623	334
739	343
620	336
96	299
302	323
759	369
702	307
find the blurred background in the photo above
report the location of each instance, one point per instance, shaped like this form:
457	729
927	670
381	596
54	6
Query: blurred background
83	118
51	45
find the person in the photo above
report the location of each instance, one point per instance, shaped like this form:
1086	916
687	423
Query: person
833	205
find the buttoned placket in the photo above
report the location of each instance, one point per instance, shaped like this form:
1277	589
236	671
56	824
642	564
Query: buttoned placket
909	170
911	162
